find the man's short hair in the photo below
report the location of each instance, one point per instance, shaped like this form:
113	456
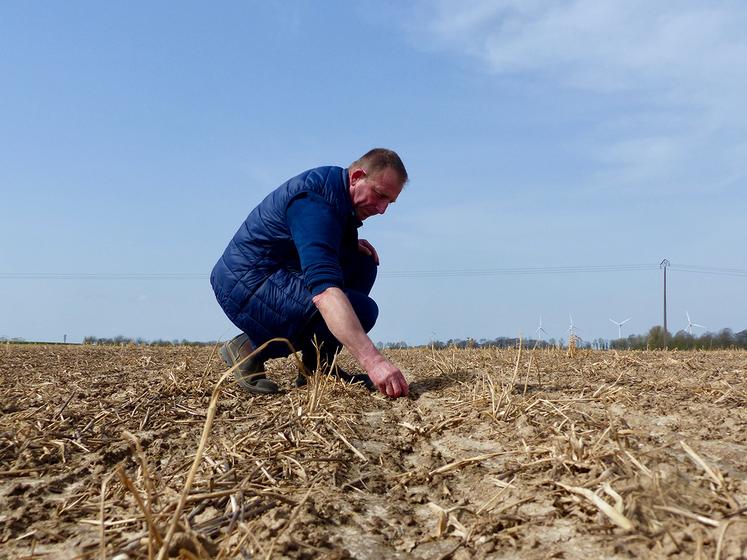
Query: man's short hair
377	159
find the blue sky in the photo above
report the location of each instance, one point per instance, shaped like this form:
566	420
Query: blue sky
136	137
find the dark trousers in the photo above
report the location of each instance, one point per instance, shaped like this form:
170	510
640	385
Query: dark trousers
359	273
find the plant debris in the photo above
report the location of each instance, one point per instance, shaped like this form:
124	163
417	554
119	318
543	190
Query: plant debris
134	452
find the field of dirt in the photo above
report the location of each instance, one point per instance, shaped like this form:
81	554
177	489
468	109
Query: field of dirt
496	454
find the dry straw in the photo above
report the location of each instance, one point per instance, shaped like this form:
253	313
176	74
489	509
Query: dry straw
150	452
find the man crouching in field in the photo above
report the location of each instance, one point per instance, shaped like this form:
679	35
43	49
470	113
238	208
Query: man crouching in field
296	269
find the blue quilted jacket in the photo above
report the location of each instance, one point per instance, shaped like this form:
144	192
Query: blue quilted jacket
250	279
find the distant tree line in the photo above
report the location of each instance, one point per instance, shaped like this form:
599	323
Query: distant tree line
500	342
683	340
654	339
123	340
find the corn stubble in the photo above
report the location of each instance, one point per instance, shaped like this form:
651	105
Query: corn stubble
138	452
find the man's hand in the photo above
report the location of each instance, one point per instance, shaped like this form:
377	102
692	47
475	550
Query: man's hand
367	249
343	323
388	378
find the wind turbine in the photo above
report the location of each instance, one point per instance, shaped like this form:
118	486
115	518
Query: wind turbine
690	324
619	326
540	330
572	329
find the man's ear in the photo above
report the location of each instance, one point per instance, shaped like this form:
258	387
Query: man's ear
356	175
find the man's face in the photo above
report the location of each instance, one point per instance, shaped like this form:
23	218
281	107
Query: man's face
372	194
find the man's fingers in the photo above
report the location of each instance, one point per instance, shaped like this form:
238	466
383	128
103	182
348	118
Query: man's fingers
404	388
383	388
395	387
392	383
366	248
387	388
373	253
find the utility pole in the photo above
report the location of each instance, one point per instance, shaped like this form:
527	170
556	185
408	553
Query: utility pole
664	264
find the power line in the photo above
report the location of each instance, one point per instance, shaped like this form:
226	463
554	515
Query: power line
427	273
437	273
446	273
694	269
101	276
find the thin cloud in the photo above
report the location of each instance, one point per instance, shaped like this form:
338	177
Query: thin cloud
596	45
674	70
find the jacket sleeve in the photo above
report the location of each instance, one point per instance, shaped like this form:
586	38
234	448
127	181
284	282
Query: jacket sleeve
316	231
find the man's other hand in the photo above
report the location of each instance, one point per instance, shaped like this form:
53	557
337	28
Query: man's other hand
389	379
367	249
